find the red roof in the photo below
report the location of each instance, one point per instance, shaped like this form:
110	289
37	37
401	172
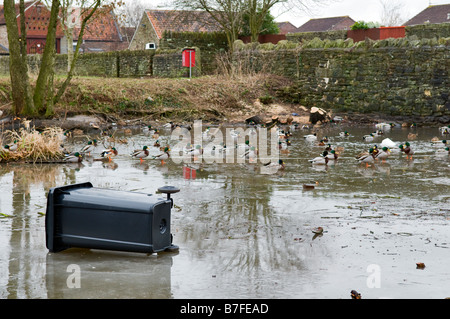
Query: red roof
181	21
101	27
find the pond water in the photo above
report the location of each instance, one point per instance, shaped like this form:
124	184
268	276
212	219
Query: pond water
243	234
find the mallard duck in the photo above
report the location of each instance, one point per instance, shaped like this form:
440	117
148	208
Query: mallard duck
155	134
165	155
74	158
366	158
275	166
11	146
368	138
251	154
444	130
148	130
320	160
344	134
157	144
310	137
197	151
406	148
383	154
282	146
90	147
442	152
141	154
110	153
383	126
437	142
333	156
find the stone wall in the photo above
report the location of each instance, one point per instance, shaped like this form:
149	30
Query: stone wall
424	31
394	77
107	64
209	43
168	63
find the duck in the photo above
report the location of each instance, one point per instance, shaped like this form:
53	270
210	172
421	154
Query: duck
366	158
383	154
320	160
11	146
251	154
165	155
442	152
344	134
444	130
383	126
333	156
157	144
368	138
89	147
155	134
437	142
197	151
109	153
406	148
283	146
141	154
74	158
148	130
280	165
310	137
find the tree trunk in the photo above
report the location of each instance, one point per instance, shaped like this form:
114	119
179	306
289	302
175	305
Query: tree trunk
65	84
21	90
42	90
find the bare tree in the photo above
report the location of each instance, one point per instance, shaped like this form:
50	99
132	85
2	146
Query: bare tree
391	13
226	13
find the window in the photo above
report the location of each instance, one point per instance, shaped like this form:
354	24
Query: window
448	16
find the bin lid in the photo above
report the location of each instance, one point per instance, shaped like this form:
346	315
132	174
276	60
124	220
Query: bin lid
86	196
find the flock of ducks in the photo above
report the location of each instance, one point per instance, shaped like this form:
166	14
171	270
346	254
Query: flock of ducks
376	153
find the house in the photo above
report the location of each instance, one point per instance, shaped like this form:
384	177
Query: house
36	21
327	24
102	32
154	23
286	27
432	15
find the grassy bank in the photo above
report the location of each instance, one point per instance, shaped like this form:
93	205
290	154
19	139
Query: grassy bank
207	98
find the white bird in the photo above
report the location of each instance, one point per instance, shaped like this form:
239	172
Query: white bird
320	160
310	137
368	138
383	126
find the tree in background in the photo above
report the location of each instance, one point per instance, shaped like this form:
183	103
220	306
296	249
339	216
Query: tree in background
391	13
269	26
227	13
41	100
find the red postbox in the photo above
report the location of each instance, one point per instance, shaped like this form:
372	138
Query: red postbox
189	58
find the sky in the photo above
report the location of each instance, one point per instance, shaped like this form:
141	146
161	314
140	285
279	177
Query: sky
358	10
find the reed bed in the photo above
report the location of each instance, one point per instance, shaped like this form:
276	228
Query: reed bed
32	145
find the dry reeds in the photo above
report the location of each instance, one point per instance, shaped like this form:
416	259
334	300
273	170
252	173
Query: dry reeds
33	146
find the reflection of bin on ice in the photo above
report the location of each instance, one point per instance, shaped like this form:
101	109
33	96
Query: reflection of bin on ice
83	216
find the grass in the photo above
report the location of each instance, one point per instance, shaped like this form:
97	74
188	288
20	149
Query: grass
207	97
32	145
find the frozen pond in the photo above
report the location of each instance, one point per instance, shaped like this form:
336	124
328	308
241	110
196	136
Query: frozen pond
243	234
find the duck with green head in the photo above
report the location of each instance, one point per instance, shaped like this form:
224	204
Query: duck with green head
383	154
141	154
165	155
406	148
110	153
74	158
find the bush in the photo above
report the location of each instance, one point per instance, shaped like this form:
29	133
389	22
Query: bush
362	25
